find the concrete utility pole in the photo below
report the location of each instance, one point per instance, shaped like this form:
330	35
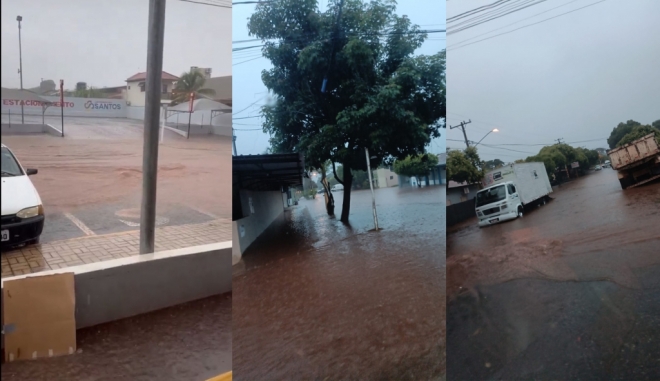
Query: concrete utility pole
20	62
462	126
233	140
371	185
155	42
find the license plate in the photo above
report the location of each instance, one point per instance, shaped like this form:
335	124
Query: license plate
494	220
5	235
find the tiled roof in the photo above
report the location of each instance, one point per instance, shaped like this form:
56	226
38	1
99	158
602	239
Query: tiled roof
143	76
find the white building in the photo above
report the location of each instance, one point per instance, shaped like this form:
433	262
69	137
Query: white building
135	88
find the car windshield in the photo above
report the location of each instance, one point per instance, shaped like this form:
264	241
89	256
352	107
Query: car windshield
491	195
10	166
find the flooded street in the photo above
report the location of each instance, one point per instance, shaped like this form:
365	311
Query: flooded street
189	342
322	300
570	291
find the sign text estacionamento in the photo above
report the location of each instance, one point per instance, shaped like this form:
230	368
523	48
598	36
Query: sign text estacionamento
17	102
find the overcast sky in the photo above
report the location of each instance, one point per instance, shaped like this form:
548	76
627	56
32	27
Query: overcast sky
248	65
573	77
104	42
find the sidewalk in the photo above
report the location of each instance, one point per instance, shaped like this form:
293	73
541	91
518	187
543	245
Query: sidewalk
89	249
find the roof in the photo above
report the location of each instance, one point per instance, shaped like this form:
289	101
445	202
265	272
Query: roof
268	172
22	95
143	77
454	184
200	104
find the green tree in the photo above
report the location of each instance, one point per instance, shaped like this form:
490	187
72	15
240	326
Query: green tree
463	166
190	82
621	130
493	164
91	92
416	166
377	94
656	124
638	132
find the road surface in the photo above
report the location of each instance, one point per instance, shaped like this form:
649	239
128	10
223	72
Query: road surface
322	300
570	291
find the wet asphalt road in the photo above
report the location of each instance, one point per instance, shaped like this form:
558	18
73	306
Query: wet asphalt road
189	342
571	291
321	300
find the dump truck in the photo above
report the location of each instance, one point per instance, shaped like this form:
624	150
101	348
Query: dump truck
508	190
637	162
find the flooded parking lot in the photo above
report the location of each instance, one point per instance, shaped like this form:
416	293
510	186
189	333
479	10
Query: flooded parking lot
570	291
189	342
324	300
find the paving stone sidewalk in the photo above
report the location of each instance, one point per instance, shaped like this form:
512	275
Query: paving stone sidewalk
89	249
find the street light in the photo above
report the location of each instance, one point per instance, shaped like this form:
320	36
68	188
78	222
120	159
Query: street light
493	130
20	60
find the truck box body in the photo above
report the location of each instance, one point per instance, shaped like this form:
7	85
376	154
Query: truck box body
637	162
507	191
530	179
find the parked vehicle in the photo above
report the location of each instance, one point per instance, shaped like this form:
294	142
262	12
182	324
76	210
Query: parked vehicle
337	187
509	190
598	168
637	162
22	210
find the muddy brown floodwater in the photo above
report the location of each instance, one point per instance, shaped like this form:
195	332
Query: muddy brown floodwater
189	342
321	300
570	291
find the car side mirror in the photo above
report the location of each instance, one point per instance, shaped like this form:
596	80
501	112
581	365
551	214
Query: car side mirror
31	171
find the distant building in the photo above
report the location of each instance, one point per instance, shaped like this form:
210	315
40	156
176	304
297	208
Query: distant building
460	192
222	88
136	86
385	178
436	176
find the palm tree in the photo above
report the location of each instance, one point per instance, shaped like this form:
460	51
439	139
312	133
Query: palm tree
190	82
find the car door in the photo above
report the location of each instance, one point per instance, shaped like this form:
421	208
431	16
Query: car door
513	194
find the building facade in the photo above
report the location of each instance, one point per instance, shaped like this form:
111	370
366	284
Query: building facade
385	178
136	86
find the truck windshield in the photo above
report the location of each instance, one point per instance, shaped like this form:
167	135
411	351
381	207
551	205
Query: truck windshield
491	195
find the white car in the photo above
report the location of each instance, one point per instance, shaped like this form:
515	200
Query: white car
337	188
598	168
22	210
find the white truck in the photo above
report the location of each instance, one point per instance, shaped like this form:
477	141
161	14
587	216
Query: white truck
509	189
637	162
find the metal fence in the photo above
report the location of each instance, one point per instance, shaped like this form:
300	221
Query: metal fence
460	212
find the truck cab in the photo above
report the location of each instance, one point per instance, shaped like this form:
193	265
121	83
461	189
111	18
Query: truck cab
498	203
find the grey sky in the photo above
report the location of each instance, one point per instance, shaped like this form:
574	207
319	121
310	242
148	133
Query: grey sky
247	66
573	77
104	42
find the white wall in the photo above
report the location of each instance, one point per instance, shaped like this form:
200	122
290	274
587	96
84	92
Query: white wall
268	206
91	107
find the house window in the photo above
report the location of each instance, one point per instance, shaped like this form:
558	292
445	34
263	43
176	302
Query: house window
391	177
129	87
141	84
164	89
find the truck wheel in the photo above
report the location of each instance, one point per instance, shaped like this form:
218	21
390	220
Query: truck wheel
543	201
520	212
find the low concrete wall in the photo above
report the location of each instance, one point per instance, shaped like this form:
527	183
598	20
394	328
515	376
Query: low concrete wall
28	129
268	206
182	133
121	288
460	212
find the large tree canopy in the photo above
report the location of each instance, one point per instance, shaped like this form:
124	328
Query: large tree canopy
190	82
377	94
559	156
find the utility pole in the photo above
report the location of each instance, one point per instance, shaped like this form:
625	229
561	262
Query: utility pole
155	42
462	126
371	185
559	140
233	140
20	63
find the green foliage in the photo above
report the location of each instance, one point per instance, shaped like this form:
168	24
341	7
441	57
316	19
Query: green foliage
360	178
493	164
378	95
92	92
620	131
656	124
417	166
639	132
559	156
190	82
463	166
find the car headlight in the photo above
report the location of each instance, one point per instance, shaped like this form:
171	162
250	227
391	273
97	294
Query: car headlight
32	211
479	214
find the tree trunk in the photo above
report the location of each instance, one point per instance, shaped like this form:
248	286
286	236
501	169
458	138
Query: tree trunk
348	182
329	200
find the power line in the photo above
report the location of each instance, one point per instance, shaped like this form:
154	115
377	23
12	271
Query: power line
210	4
528	25
476	10
251	59
476	23
508	25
